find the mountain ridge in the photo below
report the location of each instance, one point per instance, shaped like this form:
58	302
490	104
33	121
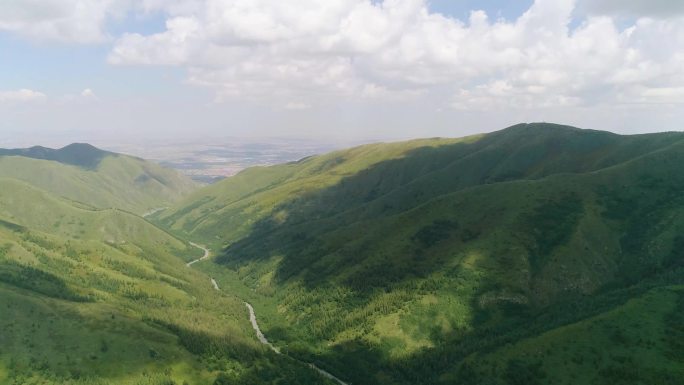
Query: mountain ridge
535	254
82	155
362	250
81	172
486	152
99	295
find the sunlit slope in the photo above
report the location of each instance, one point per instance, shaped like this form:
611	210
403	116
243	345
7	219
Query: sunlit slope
98	178
398	176
527	242
28	206
104	297
226	210
440	246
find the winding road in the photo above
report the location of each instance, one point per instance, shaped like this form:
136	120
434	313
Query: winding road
202	258
255	325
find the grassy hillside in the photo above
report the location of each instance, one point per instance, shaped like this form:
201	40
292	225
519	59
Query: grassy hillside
97	178
401	174
442	260
92	296
77	154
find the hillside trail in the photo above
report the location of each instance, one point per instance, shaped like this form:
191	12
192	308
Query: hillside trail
202	258
154	211
255	325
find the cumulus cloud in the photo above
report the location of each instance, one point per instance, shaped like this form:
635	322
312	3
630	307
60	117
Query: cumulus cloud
313	51
71	21
21	96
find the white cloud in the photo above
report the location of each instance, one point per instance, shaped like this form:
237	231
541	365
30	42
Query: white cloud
88	94
71	21
313	52
21	96
174	47
85	96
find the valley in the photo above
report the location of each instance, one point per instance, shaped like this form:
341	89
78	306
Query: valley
202	258
255	324
419	262
538	254
213	159
347	192
98	295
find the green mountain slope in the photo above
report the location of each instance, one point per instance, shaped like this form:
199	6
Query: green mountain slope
440	260
101	296
76	154
97	178
402	174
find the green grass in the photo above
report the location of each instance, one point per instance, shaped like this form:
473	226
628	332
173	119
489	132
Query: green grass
392	263
90	296
539	254
114	181
625	345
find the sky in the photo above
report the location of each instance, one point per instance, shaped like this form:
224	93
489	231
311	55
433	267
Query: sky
136	70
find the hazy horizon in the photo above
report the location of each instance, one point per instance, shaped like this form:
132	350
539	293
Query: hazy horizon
149	144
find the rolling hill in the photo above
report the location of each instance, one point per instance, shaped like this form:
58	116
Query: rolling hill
536	254
102	296
98	178
76	154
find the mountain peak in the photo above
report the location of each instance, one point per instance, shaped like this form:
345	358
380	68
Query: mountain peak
83	155
542	126
79	146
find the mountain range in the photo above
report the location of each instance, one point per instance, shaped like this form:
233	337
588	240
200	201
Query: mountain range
538	254
92	293
384	259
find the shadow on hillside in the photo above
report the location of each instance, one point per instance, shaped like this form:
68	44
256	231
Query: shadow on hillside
357	362
81	155
347	234
341	227
303	238
64	345
38	281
